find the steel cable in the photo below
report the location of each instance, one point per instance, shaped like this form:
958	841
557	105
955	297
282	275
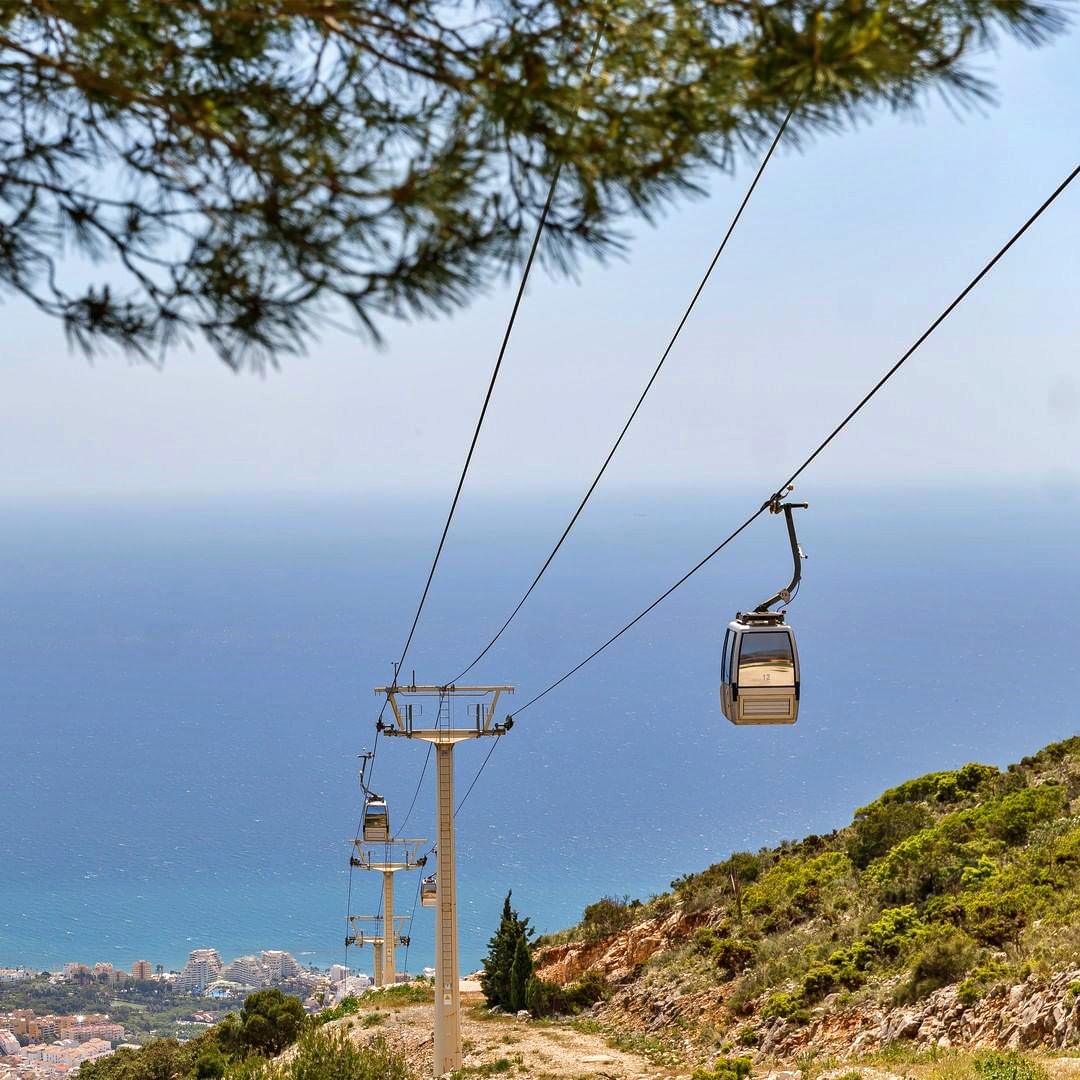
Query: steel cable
644	393
490	387
825	442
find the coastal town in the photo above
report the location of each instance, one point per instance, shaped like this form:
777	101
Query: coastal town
40	1043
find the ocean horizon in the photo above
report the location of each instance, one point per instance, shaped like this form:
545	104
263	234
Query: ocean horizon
185	686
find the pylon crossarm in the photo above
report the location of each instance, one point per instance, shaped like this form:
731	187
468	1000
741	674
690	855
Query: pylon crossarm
405	857
402	723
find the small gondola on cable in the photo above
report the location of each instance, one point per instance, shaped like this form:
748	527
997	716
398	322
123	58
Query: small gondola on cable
376	819
759	667
428	892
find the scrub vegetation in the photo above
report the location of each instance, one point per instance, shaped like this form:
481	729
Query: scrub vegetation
247	1045
968	877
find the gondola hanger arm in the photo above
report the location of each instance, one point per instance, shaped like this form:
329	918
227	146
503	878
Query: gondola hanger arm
776	506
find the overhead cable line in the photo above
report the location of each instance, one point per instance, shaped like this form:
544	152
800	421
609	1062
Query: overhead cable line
483	765
348	896
416	793
824	443
498	362
412	916
644	393
479	424
494	376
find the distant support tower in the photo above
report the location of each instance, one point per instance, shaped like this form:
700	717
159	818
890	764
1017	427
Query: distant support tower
376	938
388	858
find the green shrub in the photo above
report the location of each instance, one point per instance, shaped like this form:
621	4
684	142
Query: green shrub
786	1006
729	955
346	1007
698	890
418	992
942	787
793	890
544	999
995	1065
895	933
161	1059
982	979
971	877
880	826
607	916
730	1068
946	956
210	1064
1012	817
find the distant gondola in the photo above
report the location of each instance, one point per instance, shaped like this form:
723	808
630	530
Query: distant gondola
428	891
376	820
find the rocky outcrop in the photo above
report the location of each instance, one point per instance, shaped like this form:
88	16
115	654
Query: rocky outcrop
1037	1013
618	957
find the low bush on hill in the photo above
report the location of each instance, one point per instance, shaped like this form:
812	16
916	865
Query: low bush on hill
244	1045
729	1068
945	956
545	999
607	916
995	1065
729	955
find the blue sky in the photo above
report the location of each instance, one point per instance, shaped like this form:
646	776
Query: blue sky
849	249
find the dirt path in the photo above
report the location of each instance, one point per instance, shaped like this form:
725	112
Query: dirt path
517	1049
504	1046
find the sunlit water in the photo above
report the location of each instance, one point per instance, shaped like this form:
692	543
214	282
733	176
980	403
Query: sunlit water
184	688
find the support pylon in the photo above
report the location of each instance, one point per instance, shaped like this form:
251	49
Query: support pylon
376	938
445	736
447	968
388	857
389	972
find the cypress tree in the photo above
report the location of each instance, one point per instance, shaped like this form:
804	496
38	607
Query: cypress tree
520	972
496	982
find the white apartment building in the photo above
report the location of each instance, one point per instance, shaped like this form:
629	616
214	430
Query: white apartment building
247	971
280	965
202	968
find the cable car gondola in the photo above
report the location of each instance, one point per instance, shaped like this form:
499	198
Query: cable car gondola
376	819
759	667
428	891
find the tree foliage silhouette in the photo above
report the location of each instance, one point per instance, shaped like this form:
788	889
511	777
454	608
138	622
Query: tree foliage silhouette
239	171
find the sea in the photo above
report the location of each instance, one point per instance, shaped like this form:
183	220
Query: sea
185	688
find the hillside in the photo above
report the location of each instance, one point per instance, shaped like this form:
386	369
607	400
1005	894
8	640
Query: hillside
947	913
